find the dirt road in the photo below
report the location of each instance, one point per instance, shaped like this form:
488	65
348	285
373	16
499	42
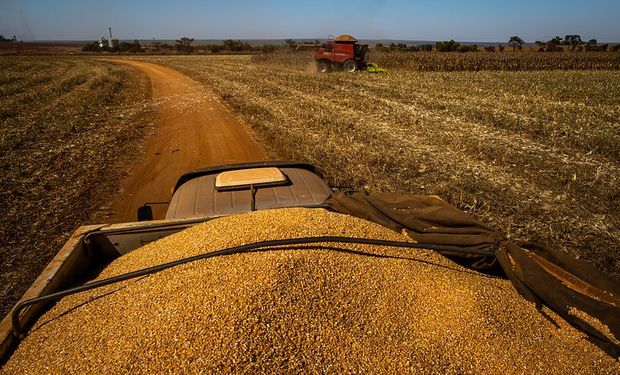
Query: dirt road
192	130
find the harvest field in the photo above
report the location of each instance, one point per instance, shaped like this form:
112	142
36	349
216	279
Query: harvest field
535	154
68	127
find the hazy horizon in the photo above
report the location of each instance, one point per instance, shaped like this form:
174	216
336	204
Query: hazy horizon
260	42
477	21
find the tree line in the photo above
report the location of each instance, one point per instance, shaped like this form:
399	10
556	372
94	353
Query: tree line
571	42
574	43
184	45
7	40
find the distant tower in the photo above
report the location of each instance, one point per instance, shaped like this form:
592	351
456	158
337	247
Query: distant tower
113	41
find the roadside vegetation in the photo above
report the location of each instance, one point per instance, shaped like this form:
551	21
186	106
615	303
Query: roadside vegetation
67	128
535	154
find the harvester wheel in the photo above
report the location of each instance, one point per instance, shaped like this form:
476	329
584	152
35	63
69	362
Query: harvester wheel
323	67
350	66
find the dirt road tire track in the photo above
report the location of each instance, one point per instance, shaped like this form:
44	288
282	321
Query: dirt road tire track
192	130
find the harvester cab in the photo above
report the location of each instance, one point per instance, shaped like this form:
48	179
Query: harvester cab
342	53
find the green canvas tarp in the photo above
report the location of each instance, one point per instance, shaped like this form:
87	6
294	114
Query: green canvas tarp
582	295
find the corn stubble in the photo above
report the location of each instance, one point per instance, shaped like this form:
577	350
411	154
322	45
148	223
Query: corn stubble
310	309
534	153
67	127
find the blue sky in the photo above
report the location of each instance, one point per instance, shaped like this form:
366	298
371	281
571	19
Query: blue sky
482	20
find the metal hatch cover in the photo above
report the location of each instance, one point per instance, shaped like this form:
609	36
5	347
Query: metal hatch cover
252	176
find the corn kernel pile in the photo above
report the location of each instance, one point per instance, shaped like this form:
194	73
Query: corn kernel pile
310	309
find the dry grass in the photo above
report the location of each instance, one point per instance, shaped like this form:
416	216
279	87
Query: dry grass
535	154
66	127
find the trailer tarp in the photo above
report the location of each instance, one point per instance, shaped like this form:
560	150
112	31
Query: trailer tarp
582	295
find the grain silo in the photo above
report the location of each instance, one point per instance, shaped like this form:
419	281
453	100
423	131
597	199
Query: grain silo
113	41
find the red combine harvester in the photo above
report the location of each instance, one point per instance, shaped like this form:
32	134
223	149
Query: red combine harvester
341	53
